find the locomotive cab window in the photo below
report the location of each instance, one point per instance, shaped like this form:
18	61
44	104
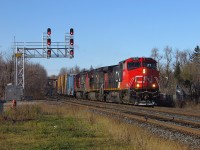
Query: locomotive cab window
133	65
151	65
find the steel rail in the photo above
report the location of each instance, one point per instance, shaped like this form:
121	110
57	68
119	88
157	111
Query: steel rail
140	118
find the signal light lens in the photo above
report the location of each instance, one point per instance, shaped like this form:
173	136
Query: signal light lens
71	41
49	53
48	41
49	31
71	31
71	52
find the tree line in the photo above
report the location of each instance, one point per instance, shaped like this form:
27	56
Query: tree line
35	76
178	68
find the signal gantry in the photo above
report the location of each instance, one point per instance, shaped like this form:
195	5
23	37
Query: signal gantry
45	49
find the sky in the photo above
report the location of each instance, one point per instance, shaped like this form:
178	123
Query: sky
105	31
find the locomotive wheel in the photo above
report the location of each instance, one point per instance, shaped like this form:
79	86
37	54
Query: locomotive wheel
85	95
127	98
97	96
108	97
101	98
79	95
113	97
92	96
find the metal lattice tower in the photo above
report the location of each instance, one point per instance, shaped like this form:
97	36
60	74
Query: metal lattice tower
24	50
19	67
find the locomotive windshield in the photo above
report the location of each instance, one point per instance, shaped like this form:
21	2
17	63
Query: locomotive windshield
151	65
133	65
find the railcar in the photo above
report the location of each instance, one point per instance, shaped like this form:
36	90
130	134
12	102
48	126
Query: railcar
65	84
132	81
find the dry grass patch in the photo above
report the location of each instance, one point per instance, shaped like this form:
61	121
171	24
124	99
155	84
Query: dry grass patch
136	138
62	126
131	136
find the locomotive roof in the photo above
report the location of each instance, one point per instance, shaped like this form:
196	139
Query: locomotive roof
139	59
106	68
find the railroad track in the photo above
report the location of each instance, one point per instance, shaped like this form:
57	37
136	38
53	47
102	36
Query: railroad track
169	120
173	125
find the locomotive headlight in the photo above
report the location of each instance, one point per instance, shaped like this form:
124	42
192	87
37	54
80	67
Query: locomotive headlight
144	71
154	85
137	85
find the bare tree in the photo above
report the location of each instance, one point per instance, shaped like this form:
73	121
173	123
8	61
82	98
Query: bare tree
177	57
63	71
184	57
10	59
2	75
35	80
76	69
73	70
35	76
70	71
191	65
155	55
168	53
6	71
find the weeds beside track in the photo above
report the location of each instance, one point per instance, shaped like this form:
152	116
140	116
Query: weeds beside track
168	125
178	124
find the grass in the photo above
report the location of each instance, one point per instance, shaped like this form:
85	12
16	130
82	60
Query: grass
68	127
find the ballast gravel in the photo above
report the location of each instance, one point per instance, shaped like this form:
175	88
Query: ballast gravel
192	141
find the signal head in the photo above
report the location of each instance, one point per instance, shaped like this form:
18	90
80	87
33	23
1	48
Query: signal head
71	31
48	53
48	41
49	31
71	52
71	41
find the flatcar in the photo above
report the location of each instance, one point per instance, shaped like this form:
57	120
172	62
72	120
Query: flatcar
133	81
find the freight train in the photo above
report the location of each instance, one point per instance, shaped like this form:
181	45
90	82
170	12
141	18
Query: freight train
132	81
